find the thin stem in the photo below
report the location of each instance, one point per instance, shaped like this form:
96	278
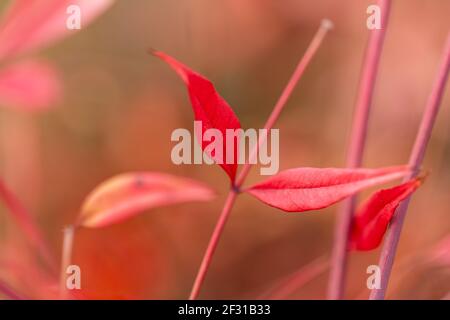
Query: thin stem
405	266
25	221
8	292
213	242
336	285
66	259
325	26
417	154
300	278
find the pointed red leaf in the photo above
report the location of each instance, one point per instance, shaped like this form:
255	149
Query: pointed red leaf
304	189
128	194
209	108
371	221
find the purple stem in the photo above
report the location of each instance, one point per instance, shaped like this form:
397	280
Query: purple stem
336	283
415	161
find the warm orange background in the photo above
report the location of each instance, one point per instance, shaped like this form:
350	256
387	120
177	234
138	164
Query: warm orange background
121	105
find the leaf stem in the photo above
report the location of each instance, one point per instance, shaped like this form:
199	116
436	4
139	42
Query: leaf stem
336	284
8	292
66	259
25	221
325	26
300	278
213	242
417	154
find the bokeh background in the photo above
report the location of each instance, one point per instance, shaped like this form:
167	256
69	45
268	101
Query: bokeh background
120	106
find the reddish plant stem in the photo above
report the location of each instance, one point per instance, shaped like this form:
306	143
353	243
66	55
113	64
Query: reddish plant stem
336	284
8	292
300	278
66	259
25	221
417	154
213	242
325	26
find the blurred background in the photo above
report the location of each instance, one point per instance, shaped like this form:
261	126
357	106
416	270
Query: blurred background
120	106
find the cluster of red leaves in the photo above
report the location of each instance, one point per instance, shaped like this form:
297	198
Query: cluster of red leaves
33	85
294	190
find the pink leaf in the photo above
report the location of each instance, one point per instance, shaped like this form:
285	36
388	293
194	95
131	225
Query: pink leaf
304	189
371	221
32	24
29	85
128	194
210	108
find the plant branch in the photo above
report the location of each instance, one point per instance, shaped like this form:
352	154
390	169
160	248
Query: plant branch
299	278
336	285
213	242
417	154
25	221
325	26
66	259
8	292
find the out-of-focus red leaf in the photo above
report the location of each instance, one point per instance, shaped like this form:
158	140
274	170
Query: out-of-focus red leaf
304	189
128	194
32	24
210	108
29	85
371	221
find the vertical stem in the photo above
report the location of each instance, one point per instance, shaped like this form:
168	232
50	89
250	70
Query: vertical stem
417	154
336	285
325	26
66	259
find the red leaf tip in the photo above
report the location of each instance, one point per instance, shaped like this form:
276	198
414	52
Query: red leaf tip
372	219
209	108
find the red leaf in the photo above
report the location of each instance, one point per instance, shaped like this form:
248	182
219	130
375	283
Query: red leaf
210	108
371	221
29	85
32	24
304	189
128	194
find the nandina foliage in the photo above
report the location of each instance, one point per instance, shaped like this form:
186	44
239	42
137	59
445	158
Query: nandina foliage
371	221
211	109
303	189
129	194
